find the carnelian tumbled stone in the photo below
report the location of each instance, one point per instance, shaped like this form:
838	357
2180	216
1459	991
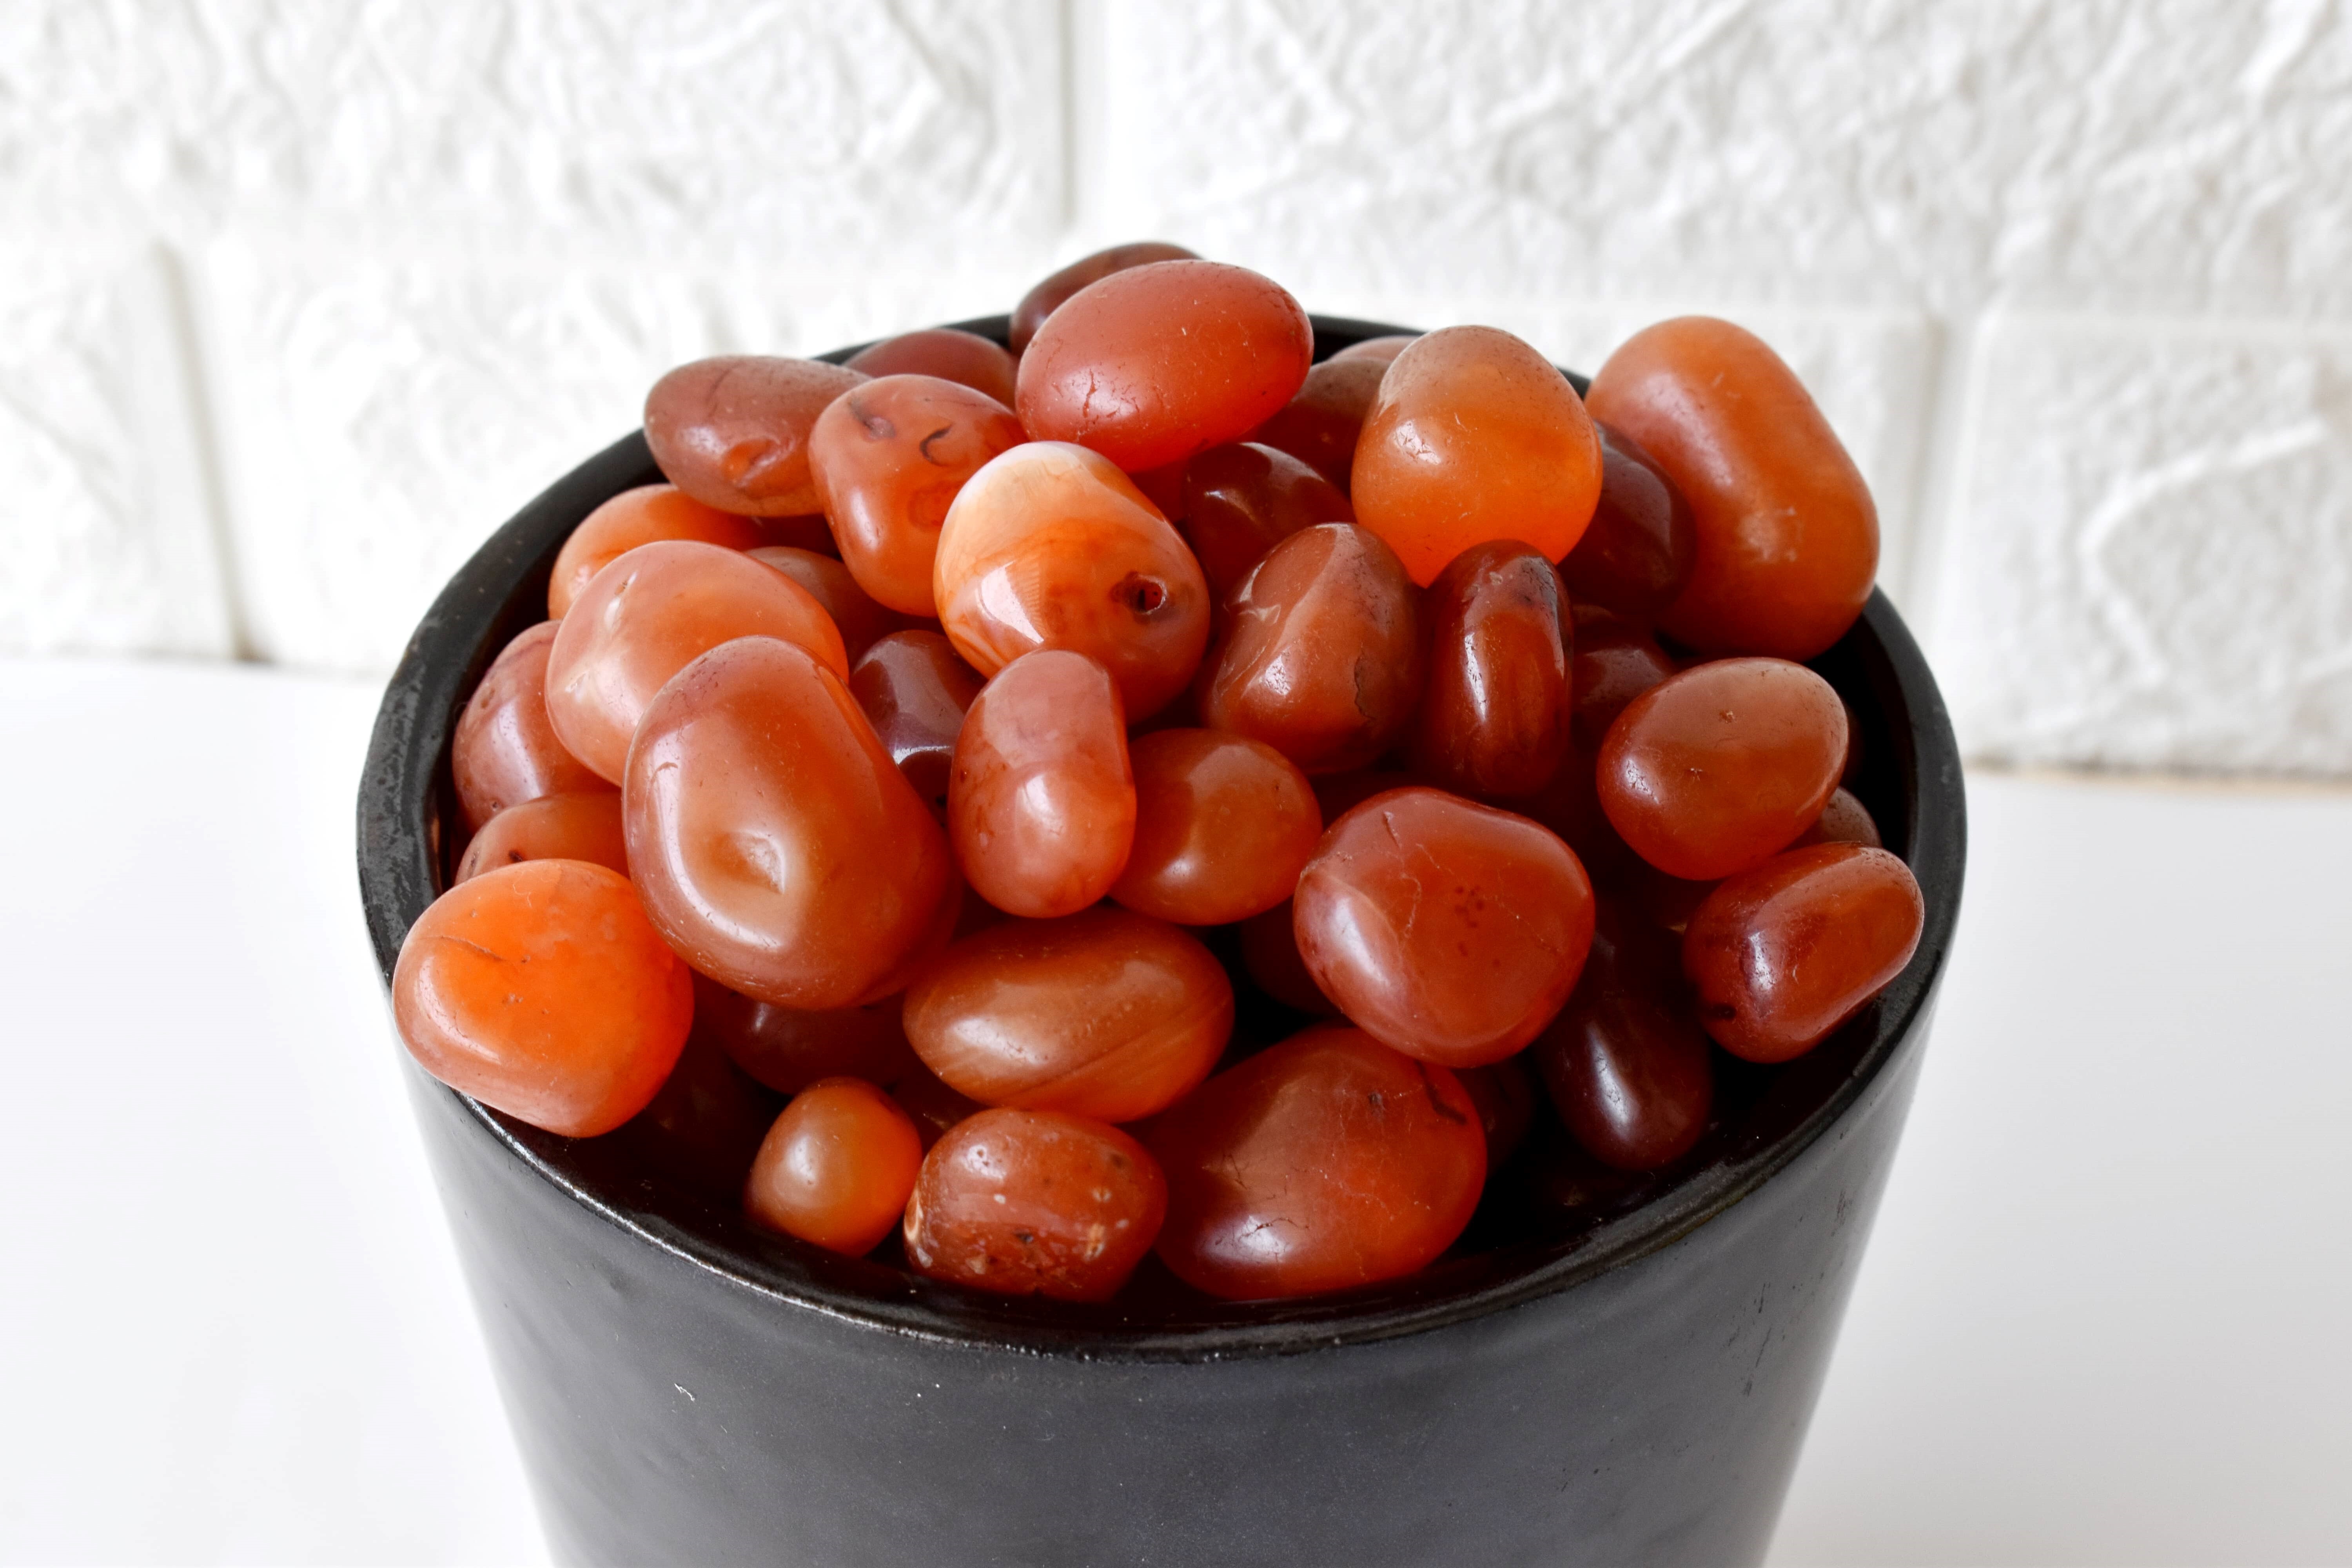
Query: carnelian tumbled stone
1046	297
1222	827
1722	766
1321	424
1784	953
1448	930
915	692
543	991
1506	1101
586	826
639	517
1321	656
837	1167
505	749
1786	534
1615	661
1495	710
1625	1063
1151	364
860	621
1844	820
1269	949
1382	350
1051	546
1327	1162
950	354
777	845
734	432
1241	501
1105	1014
789	1048
1041	798
1475	436
1638	551
887	459
1035	1203
645	616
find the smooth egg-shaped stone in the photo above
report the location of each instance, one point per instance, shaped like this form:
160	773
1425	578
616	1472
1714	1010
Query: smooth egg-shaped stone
1105	1014
1050	546
1448	930
776	845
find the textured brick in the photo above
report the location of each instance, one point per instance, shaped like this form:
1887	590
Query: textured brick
2183	154
380	417
791	127
2149	563
106	525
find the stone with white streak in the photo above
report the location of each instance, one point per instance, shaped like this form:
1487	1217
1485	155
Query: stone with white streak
107	530
2177	154
2148	563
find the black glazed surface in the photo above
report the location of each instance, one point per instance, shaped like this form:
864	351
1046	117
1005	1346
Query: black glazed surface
1911	782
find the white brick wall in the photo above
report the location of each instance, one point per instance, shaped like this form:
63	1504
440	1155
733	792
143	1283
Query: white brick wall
303	297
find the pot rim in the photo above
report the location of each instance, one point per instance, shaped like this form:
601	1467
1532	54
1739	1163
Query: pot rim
404	787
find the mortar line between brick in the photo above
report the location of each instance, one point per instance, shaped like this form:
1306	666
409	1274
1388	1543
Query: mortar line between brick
1937	493
195	383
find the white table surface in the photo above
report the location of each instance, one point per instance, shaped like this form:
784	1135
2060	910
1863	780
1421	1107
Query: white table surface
2104	1317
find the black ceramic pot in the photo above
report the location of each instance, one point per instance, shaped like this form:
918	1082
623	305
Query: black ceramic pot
1623	1377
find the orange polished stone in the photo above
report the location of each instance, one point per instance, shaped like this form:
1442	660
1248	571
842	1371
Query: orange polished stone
837	1167
860	621
1241	501
1035	1203
948	352
777	845
1321	424
1269	949
937	1109
1784	953
650	613
915	691
1153	363
1493	715
1639	550
505	749
1448	930
1321	654
888	460
543	991
1105	1014
1625	1062
1327	1162
1222	827
1379	349
553	828
1723	765
734	432
1786	533
1474	437
1844	820
1615	660
789	1048
1047	297
639	516
1041	798
1050	546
